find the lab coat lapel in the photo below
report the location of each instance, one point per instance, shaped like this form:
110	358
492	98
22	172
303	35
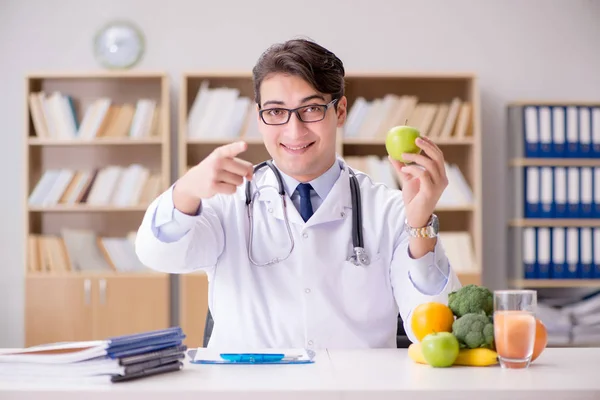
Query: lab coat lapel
337	204
271	200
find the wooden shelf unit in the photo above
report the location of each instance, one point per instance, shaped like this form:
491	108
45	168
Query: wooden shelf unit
517	163
465	152
127	122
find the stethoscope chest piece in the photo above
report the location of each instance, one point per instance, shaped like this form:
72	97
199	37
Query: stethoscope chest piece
360	257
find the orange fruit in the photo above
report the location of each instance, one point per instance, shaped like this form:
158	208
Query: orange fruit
541	339
431	317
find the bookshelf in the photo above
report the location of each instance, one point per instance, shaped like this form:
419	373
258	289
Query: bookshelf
554	216
97	152
445	106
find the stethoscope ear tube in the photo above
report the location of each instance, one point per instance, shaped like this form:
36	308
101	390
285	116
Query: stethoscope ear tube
360	256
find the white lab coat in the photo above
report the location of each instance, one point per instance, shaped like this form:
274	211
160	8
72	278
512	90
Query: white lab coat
315	298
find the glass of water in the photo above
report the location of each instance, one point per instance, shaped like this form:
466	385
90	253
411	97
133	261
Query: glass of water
514	326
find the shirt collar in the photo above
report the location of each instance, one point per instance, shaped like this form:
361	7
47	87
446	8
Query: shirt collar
321	185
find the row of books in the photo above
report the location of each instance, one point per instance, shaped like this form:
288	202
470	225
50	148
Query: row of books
117	359
221	112
458	246
562	192
373	119
458	193
561	252
559	131
82	250
55	116
113	185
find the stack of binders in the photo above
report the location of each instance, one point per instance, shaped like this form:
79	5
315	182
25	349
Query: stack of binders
117	359
561	189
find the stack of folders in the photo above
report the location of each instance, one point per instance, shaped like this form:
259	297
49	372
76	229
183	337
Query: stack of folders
117	359
561	131
561	190
560	252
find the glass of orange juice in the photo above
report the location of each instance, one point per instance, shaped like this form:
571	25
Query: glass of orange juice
514	326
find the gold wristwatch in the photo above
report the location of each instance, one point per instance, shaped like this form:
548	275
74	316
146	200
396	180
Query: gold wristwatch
431	230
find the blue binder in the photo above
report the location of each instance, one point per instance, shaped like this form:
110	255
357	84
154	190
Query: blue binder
139	343
558	127
572	131
531	135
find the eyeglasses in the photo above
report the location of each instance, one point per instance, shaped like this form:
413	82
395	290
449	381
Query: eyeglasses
281	116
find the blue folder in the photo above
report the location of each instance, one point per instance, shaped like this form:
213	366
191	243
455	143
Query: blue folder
139	343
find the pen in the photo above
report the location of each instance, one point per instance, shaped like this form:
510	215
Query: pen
256	357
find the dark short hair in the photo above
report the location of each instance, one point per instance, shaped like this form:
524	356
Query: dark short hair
318	66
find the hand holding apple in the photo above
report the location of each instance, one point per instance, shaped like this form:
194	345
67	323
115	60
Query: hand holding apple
422	182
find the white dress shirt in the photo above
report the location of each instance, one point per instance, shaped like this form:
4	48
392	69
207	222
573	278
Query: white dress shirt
315	298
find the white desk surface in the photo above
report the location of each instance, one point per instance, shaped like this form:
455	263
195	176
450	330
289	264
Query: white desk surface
338	374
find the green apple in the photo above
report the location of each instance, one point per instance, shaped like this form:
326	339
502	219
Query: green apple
401	139
440	349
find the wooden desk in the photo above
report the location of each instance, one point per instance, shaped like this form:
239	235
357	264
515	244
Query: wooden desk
372	374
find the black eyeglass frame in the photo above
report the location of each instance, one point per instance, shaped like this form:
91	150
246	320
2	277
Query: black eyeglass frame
295	111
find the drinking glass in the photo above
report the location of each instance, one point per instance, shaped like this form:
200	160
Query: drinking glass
514	326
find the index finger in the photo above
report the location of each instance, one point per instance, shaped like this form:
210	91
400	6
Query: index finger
232	149
431	149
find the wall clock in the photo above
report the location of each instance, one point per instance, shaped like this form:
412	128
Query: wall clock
119	45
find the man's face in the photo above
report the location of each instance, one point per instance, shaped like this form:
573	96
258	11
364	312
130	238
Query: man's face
303	150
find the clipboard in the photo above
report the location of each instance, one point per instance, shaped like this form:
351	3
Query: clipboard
255	357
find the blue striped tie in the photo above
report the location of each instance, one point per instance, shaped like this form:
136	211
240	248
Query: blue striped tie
306	210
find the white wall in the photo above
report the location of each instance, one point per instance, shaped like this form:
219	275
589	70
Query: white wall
519	49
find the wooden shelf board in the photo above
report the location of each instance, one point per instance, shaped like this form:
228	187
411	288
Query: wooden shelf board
545	102
96	274
550	222
381	142
219	141
96	74
87	208
467	278
463	208
409	75
233	73
551	162
34	141
555	283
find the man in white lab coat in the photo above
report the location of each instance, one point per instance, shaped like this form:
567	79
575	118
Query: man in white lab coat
315	297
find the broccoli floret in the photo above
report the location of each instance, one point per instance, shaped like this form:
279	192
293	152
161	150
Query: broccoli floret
471	299
474	330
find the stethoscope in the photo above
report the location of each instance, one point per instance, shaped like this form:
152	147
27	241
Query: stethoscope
359	256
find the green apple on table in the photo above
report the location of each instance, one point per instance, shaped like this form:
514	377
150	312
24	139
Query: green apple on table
440	349
401	139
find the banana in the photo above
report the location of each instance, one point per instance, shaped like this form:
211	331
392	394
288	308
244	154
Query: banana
479	357
414	352
467	357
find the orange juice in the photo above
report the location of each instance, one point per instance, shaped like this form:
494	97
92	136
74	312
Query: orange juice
514	336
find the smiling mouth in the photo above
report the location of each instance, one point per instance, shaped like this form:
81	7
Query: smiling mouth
297	148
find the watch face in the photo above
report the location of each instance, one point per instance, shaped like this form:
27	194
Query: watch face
435	225
119	45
